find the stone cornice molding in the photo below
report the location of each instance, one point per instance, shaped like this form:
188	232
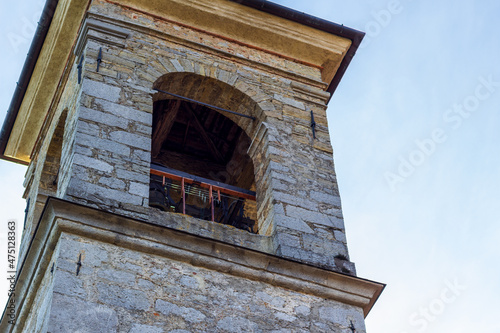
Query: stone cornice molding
61	216
100	31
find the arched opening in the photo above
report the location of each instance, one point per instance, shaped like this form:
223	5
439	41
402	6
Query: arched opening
200	165
50	173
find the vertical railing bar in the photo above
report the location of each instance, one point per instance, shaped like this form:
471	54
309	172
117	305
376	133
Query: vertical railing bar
183	197
212	203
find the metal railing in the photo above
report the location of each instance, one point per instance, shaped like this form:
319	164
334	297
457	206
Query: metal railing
180	192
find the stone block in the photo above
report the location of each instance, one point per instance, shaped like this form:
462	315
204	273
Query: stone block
139	189
314	217
132	175
287	222
131	139
188	314
69	284
92	163
100	194
116	275
102	144
100	117
101	90
70	248
138	328
69	314
294	200
340	236
325	198
131	299
289	101
237	325
87	128
112	182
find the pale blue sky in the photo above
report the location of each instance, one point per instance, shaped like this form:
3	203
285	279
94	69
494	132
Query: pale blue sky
433	235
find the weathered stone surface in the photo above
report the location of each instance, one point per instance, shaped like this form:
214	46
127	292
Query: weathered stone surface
92	163
131	299
138	328
189	314
69	284
127	289
70	314
101	90
104	162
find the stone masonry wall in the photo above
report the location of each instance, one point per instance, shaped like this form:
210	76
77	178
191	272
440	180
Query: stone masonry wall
59	135
120	290
106	153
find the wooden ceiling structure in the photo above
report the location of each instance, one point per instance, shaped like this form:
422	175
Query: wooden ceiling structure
196	139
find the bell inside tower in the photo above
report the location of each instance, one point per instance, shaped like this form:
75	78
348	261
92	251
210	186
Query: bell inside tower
200	166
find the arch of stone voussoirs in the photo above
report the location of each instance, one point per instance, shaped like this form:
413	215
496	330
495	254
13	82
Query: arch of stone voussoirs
214	92
223	95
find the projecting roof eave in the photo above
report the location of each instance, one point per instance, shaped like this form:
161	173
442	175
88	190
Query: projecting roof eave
24	78
355	36
264	6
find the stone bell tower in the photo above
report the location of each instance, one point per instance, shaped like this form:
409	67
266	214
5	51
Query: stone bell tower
180	171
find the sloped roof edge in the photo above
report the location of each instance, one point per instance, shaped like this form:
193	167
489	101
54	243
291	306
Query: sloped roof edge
266	6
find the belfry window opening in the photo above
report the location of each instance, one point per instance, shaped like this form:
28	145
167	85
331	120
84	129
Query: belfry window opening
200	166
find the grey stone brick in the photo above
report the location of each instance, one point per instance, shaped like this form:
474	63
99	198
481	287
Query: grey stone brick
285	177
340	236
131	139
342	314
138	328
145	284
326	198
92	254
302	310
69	314
284	316
142	155
69	284
101	194
112	182
132	175
289	101
237	325
139	189
126	298
177	65
103	118
102	144
295	200
314	217
125	112
189	282
101	90
291	223
83	150
287	239
189	314
87	128
92	163
116	275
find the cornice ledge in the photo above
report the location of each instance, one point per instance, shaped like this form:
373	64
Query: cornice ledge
311	91
100	31
62	216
